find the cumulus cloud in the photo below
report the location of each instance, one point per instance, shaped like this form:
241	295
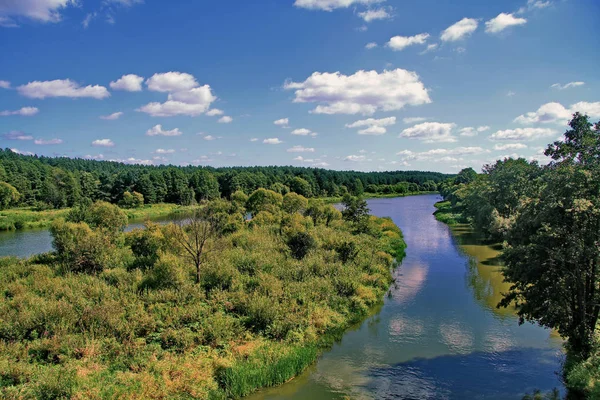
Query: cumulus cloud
47	142
355	158
129	83
557	113
272	141
370	45
17	135
24	112
23	153
522	134
441	155
503	21
164	151
158	130
103	143
300	149
61	88
372	126
375	14
398	43
283	122
304	132
37	10
363	92
214	112
209	137
4	85
171	82
430	47
510	146
470	131
460	30
330	5
112	116
254	139
567	85
413	120
533	5
431	132
226	119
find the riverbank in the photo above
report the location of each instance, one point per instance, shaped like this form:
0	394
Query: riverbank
27	218
367	196
139	327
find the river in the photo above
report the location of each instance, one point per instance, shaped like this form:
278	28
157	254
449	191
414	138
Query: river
438	334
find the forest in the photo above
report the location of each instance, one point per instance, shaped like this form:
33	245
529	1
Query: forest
54	183
548	219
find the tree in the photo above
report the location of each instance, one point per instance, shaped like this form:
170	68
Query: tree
355	210
9	195
301	186
264	200
132	200
205	185
293	203
300	244
553	250
466	175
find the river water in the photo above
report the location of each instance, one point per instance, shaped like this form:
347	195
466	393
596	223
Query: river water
438	334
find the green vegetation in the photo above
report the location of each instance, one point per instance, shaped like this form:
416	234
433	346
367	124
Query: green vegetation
549	221
214	308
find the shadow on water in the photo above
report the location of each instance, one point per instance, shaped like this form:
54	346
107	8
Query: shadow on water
513	373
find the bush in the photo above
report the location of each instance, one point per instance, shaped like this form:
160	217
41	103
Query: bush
300	244
167	273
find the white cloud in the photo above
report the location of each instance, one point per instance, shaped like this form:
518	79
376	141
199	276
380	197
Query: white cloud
510	146
534	4
112	116
370	45
4	85
372	126
330	5
398	43
226	119
172	108
283	122
413	120
158	130
483	128
510	93
460	30
129	83
6	22
103	143
431	132
47	142
503	21
254	139
470	131
375	14
171	82
24	111
567	85
557	113
209	137
164	151
304	132
61	88
23	153
96	157
214	112
363	92
202	159
272	141
355	158
134	161
300	149
37	10
17	135
441	155
430	47
522	134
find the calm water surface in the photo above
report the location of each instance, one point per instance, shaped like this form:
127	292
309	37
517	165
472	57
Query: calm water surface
439	335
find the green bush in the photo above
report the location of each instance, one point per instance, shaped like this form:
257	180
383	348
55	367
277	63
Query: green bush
300	244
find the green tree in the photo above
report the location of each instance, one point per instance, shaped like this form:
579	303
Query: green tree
301	186
9	195
264	200
293	203
132	200
205	185
355	210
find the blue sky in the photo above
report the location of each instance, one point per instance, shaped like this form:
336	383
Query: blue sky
354	84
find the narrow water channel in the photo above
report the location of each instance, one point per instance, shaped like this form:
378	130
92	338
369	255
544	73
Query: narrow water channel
438	334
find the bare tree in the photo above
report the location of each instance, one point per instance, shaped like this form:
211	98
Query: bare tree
196	236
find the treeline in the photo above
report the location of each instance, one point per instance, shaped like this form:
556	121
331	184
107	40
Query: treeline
548	218
63	182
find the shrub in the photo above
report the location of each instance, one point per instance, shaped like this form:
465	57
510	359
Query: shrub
300	244
294	203
167	273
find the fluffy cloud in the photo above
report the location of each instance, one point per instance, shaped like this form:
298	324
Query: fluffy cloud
557	113
510	146
470	131
254	139
567	85
413	120
158	130
372	15
214	112
304	132
460	30
171	82
24	111
4	85
209	137
283	122
441	155
24	153
112	116
430	132
330	5
534	4
370	45
164	151
503	21
300	149
522	134
103	143
47	142
38	10
363	92
372	126
430	47
398	43
226	119
129	83
272	141
355	158
61	88
17	135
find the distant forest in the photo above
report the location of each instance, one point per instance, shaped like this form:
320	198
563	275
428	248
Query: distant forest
58	182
